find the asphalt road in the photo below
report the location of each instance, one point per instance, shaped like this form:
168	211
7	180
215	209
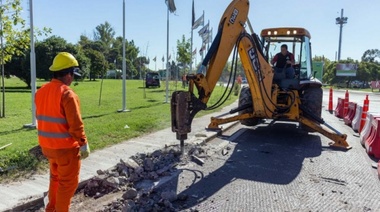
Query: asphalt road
282	168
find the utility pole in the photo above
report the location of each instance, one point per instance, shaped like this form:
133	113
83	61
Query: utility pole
340	20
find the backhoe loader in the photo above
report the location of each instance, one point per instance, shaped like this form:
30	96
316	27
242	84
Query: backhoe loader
270	95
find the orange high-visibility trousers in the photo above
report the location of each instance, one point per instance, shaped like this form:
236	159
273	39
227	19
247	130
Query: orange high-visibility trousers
64	177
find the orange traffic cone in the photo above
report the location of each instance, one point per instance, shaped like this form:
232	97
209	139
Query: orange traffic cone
364	113
345	105
331	100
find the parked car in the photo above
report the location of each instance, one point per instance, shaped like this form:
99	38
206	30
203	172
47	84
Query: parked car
152	79
341	84
357	84
113	74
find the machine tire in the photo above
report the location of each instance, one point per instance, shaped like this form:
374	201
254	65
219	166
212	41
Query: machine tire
246	98
312	99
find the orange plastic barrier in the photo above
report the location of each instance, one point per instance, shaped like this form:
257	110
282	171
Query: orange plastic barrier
339	108
345	105
367	127
372	143
350	113
331	100
357	119
364	113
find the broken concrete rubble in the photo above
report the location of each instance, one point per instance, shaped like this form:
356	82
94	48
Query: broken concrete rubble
138	177
131	193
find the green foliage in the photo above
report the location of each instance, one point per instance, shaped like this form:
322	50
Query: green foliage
95	57
105	33
140	63
98	63
14	34
184	51
368	70
236	88
329	74
131	54
19	66
46	51
371	55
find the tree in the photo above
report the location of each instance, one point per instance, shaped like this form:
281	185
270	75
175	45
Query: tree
329	74
372	70
140	64
112	59
47	50
93	51
98	63
366	71
184	51
131	53
13	37
370	55
104	33
19	66
13	30
45	53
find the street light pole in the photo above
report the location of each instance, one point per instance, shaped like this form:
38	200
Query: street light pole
2	112
124	105
32	69
167	56
340	20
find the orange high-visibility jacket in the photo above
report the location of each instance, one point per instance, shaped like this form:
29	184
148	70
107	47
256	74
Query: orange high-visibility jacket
59	122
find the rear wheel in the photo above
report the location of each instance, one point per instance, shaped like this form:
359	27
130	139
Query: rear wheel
246	98
312	99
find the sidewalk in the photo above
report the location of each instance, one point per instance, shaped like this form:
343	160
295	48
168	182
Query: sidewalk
29	190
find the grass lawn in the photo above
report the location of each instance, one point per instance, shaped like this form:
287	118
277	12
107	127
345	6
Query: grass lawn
104	126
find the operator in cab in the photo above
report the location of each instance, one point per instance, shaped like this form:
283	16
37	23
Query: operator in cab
284	60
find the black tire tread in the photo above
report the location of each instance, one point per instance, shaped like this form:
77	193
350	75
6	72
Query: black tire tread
312	99
246	98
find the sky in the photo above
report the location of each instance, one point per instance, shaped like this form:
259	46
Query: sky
146	22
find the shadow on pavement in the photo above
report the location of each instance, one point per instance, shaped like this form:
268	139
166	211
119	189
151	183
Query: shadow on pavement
268	154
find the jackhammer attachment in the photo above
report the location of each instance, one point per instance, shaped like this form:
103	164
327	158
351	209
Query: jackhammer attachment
184	105
180	112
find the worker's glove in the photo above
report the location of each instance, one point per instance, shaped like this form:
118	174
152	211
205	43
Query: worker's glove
84	151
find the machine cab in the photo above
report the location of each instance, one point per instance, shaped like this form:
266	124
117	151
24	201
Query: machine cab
298	43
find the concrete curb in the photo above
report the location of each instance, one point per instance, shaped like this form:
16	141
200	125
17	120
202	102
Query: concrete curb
209	136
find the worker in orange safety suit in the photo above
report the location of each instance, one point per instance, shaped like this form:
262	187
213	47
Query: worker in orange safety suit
61	132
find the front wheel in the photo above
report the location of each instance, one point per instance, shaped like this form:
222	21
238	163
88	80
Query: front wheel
246	98
312	100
